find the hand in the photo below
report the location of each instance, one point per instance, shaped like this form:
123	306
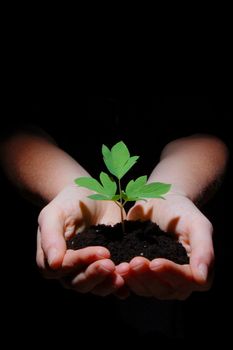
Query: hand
84	270
162	278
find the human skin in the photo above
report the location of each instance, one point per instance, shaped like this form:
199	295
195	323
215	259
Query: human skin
193	165
46	174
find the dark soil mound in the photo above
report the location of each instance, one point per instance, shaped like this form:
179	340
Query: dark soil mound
140	239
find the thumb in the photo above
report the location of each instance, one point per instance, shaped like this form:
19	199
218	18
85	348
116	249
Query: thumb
53	243
202	251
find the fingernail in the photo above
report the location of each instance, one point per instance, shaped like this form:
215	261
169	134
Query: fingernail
105	267
122	269
102	252
155	264
52	255
137	267
203	271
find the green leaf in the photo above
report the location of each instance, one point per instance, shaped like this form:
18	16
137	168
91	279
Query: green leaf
116	197
106	151
109	185
134	199
124	196
131	161
108	160
134	186
120	154
154	190
138	189
99	197
90	183
118	160
108	189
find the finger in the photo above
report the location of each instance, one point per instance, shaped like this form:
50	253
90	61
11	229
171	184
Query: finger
138	267
52	237
40	259
171	272
152	282
123	269
202	251
96	273
75	261
178	277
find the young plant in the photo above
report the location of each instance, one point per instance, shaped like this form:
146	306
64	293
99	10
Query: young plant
118	162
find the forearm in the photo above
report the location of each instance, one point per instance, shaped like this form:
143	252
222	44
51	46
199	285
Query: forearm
37	166
193	165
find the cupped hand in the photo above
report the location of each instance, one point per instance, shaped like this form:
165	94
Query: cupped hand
85	270
165	279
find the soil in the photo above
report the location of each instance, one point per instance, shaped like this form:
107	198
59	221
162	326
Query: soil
139	239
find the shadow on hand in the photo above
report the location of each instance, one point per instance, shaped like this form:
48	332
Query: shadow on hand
171	227
139	213
87	218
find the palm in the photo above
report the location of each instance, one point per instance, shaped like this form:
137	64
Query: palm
78	213
162	278
85	270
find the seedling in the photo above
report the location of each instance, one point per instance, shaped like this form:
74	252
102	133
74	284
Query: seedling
118	162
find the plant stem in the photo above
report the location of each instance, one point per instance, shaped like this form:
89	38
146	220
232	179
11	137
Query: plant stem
122	216
121	207
122	220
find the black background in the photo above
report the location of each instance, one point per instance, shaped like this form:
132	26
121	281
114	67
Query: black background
32	301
